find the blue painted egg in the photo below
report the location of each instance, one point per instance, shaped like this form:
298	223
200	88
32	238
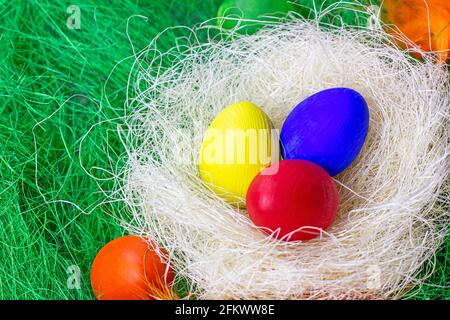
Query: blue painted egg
328	128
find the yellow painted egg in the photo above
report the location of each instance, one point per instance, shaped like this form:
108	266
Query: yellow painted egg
237	145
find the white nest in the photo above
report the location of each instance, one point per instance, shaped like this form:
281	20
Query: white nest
393	213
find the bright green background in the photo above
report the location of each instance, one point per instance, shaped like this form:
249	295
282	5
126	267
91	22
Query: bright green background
45	65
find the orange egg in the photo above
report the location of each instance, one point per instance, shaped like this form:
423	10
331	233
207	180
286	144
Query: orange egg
127	268
424	22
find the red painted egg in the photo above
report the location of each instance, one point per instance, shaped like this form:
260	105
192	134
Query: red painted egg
297	194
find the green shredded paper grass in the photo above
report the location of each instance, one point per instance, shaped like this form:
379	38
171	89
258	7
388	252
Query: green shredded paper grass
56	83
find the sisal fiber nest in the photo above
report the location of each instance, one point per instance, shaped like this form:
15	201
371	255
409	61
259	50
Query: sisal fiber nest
394	200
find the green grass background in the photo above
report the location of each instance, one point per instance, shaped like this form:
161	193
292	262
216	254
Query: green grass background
52	90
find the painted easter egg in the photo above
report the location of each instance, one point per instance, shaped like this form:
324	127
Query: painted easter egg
252	10
328	128
236	147
127	268
425	23
295	201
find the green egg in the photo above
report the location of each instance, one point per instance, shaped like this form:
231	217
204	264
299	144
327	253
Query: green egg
252	10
